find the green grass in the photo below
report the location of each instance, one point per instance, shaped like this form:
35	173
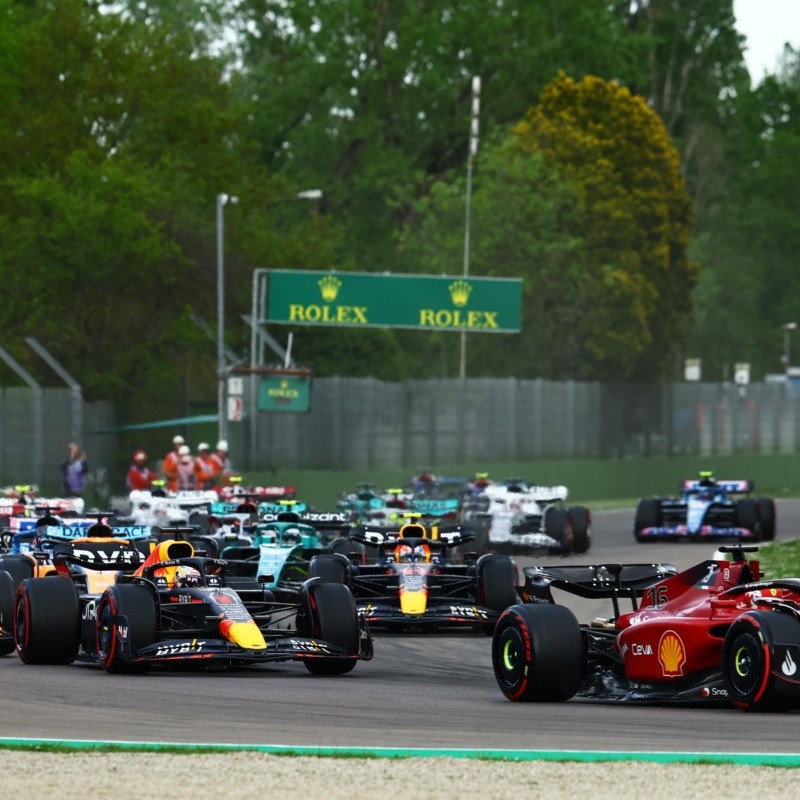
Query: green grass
611	481
780	559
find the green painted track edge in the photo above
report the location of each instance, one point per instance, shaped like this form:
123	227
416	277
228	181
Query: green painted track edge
591	756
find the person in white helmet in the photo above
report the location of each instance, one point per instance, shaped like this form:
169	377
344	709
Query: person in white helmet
186	478
170	465
221	463
204	467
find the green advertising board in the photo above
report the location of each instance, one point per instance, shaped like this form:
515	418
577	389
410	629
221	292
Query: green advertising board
357	299
285	391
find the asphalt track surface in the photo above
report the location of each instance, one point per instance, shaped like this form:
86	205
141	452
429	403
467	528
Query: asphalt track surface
422	691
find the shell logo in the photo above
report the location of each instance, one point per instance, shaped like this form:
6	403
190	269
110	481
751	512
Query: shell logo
671	654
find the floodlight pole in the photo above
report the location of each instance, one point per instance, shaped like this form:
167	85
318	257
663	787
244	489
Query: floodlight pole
473	149
222	422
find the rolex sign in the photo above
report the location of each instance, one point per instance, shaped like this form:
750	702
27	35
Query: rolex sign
357	299
285	391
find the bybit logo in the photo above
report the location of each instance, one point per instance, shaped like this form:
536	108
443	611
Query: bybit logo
459	293
329	286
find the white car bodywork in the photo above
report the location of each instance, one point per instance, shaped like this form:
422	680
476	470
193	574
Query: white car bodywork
513	504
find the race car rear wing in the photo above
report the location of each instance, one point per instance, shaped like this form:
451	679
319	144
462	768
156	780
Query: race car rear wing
319	520
437	537
596	581
730	487
96	555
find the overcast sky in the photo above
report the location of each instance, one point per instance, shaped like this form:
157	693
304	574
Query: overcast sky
767	24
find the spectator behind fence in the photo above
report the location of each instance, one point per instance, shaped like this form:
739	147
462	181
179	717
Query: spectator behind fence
74	471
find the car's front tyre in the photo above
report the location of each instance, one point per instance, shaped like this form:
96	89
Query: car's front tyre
538	653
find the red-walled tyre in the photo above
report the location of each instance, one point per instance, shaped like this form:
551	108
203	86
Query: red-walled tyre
137	605
760	648
538	653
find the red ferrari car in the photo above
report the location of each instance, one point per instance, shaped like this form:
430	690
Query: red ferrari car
715	633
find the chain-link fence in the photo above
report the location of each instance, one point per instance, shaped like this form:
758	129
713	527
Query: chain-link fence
35	432
367	424
362	423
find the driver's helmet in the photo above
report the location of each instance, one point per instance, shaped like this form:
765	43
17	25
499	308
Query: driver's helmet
187	576
422	552
403	553
481	480
707	479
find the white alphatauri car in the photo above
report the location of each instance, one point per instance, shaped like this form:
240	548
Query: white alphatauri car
165	508
519	516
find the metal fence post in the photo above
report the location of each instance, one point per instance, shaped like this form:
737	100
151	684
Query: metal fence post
75	389
38	417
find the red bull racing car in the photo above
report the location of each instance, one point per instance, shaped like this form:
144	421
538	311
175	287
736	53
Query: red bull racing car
416	582
174	607
714	634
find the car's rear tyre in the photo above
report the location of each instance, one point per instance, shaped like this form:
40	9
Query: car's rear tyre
556	526
538	653
6	613
648	515
581	522
137	604
334	619
47	621
497	582
19	567
749	658
747	517
349	549
766	515
330	567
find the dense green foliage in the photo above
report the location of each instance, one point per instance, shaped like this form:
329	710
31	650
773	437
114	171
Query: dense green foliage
606	128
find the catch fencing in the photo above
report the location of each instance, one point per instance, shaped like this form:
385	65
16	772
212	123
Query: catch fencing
362	423
34	437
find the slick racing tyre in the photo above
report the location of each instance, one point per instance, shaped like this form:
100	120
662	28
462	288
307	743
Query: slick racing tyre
334	619
497	583
19	567
766	514
648	515
752	662
352	551
137	604
538	653
6	613
556	526
330	567
747	517
581	523
47	621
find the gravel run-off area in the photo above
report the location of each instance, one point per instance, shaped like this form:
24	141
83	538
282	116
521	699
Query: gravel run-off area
140	776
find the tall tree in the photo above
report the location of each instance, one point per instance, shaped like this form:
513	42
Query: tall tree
117	136
587	202
369	99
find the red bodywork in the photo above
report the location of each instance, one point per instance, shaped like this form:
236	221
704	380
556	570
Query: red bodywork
681	624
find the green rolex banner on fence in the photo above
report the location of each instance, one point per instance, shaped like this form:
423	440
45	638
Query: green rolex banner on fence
285	390
358	299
